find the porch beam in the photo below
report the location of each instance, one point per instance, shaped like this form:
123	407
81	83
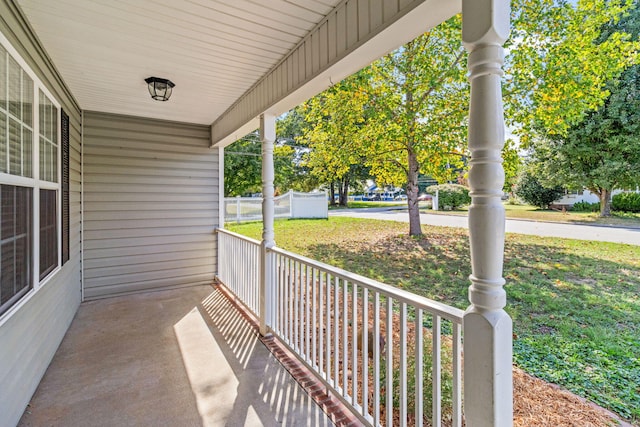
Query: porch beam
488	386
349	38
268	137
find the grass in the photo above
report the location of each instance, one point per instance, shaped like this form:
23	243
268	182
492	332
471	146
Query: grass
575	304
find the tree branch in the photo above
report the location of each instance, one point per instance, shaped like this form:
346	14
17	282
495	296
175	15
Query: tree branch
441	79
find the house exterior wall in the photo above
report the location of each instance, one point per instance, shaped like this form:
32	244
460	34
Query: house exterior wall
151	197
573	197
31	331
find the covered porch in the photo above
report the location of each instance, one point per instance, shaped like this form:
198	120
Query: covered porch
136	231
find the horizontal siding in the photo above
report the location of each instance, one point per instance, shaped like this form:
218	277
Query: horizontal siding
30	335
150	205
350	37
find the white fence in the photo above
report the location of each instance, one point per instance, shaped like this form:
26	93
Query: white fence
393	357
289	205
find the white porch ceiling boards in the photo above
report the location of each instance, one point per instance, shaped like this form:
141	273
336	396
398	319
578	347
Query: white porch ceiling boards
230	59
213	50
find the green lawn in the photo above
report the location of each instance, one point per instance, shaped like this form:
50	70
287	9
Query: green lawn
575	304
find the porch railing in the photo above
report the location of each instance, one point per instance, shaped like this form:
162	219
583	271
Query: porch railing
392	356
239	267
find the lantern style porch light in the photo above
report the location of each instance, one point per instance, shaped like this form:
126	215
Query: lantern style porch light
160	89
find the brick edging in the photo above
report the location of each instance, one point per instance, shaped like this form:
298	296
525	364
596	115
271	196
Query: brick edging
331	405
316	389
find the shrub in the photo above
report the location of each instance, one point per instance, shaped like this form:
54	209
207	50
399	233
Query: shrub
533	192
586	207
626	202
513	201
451	196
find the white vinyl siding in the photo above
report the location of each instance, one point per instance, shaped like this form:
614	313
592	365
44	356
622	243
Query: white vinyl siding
151	196
32	330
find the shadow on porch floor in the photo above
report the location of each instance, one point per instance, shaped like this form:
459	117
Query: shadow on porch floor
171	358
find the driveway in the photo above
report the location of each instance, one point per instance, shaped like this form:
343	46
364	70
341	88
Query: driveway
536	228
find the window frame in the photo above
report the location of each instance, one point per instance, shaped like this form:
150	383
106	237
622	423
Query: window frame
36	184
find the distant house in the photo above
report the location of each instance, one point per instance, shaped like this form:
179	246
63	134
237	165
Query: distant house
572	197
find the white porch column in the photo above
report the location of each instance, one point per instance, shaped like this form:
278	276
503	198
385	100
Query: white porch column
488	387
268	137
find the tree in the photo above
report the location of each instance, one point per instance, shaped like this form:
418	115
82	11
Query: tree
336	120
295	175
512	164
533	192
602	152
558	63
419	99
243	166
560	58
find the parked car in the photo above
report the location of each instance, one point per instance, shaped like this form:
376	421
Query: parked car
401	197
424	197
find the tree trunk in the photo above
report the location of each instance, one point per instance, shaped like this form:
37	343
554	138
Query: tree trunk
412	195
343	197
605	203
332	194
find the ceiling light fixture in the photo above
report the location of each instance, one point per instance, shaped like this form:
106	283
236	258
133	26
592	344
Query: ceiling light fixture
160	89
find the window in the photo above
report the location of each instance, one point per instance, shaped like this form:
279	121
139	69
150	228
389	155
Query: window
16	117
30	238
48	139
48	150
48	232
15	244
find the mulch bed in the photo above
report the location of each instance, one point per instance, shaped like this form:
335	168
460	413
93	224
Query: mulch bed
536	402
539	403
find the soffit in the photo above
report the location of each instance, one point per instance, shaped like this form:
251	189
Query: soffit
213	50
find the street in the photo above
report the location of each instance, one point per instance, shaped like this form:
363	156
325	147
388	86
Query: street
536	228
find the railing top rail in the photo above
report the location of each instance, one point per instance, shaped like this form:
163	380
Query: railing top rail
237	236
451	313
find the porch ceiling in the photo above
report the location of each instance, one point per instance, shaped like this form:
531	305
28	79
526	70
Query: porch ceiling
213	50
231	60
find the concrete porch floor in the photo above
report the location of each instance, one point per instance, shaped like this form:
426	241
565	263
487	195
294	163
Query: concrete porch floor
181	357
